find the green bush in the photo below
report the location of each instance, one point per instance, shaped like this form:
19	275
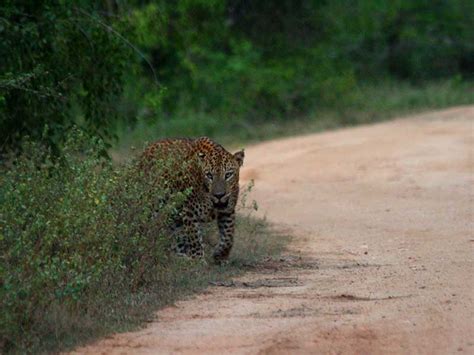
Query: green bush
62	65
72	230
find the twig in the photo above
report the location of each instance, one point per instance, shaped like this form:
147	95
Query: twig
126	41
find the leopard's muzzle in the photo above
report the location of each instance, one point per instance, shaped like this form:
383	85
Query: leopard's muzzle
220	200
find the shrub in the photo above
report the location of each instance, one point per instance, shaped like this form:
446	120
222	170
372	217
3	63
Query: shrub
73	229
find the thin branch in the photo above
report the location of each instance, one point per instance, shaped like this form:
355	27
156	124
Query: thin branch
126	41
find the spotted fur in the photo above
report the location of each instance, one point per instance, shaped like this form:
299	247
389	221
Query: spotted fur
212	174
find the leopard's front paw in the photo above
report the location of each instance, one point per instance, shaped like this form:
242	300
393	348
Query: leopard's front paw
220	259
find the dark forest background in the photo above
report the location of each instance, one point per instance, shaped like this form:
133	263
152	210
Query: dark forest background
190	67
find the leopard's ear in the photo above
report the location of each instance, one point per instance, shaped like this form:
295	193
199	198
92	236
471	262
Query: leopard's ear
201	155
239	156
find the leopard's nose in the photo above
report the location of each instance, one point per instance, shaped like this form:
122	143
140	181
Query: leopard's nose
219	195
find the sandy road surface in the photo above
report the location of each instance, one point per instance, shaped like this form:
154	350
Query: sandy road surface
381	262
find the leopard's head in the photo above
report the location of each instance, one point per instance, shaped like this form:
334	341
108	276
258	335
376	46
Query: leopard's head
220	171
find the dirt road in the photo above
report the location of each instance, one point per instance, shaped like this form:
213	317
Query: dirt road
381	261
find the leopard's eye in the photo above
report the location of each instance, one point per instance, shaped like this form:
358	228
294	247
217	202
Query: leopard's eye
229	174
209	175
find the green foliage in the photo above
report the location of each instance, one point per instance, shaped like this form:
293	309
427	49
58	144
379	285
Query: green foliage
60	66
240	63
208	62
72	228
415	40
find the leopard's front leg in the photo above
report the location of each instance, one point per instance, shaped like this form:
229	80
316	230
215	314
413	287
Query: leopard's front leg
190	242
226	224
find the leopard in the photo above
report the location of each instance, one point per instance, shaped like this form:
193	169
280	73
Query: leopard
210	175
